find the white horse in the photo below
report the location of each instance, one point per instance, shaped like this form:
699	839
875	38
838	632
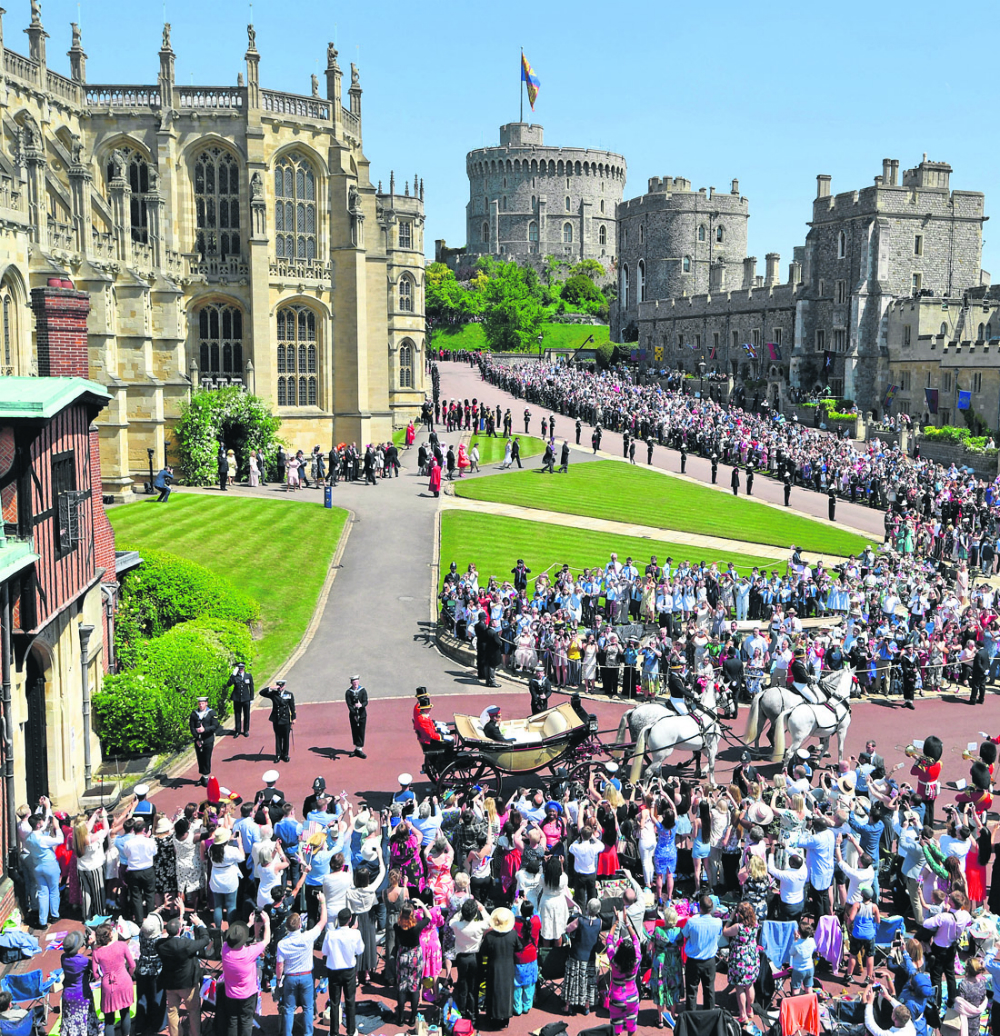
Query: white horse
805	719
768	705
659	730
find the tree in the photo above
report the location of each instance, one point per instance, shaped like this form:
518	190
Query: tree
587	268
554	266
512	312
228	417
580	288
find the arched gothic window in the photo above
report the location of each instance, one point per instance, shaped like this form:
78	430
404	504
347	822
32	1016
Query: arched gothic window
9	359
298	367
719	234
532	231
486	233
405	294
701	232
406	364
294	208
982	328
625	287
944	330
686	264
641	281
137	175
217	203
220	336
841	245
602	235
567	233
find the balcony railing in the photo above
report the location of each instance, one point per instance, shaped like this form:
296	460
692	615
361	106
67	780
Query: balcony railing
295	104
20	67
102	246
211	98
61	234
221	381
352	123
142	255
173	261
62	87
122	96
213	268
301	269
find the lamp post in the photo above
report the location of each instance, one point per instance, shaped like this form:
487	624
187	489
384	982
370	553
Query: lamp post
539	339
149	454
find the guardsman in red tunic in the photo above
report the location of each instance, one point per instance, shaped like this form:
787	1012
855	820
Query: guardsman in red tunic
979	790
927	770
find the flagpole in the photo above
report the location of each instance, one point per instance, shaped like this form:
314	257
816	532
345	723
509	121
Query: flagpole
520	76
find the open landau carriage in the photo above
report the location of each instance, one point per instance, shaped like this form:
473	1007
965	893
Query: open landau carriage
560	743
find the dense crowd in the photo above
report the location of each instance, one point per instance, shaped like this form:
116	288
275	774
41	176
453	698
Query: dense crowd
459	908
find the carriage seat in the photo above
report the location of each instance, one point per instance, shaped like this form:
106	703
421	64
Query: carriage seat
470	729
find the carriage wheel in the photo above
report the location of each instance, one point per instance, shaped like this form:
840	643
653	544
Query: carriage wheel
467	771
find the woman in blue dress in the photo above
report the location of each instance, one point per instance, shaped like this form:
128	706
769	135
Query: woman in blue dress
665	854
701	829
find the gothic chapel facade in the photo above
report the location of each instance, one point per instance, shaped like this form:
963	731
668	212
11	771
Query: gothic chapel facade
226	235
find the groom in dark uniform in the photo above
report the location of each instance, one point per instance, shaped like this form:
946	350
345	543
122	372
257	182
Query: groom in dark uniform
242	684
204	725
282	717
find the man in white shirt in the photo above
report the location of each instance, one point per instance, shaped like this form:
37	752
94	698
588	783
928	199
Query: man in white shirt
902	1024
792	885
294	971
469	926
342	948
585	852
336	884
859	876
139	852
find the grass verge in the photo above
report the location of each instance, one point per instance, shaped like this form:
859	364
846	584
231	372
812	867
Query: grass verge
629	493
494	543
491	449
556	336
256	544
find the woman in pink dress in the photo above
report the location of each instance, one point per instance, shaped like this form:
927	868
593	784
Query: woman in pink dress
411	434
112	963
430	943
434	484
292	474
463	459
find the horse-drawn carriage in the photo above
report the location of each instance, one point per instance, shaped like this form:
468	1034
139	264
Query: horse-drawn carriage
560	743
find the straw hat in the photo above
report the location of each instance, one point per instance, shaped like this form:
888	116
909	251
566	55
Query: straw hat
760	813
848	783
163	826
502	920
221	835
361	821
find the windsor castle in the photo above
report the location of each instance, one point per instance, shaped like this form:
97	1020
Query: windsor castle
226	235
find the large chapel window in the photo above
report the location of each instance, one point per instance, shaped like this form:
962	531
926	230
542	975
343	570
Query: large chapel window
298	365
217	203
220	337
137	174
294	208
406	364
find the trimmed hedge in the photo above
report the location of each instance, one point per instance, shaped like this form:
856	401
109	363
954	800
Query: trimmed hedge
146	708
962	436
166	589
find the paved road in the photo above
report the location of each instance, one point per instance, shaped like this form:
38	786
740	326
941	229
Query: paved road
460	381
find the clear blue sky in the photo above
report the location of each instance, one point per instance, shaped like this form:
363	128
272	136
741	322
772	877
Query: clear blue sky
771	93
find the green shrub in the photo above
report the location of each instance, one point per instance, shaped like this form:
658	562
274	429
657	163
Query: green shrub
581	288
838	415
127	713
605	355
166	589
146	709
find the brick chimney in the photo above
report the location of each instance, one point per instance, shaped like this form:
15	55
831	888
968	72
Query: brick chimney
61	329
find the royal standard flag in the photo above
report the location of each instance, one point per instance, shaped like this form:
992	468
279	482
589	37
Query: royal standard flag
530	79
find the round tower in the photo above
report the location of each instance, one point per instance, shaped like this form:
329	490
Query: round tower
674	241
528	200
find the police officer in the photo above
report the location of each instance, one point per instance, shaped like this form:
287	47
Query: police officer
242	684
357	711
684	457
204	725
222	463
734	481
833	504
579	430
749	480
788	487
282	717
540	688
715	468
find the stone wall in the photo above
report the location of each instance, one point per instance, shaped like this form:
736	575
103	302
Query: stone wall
948	453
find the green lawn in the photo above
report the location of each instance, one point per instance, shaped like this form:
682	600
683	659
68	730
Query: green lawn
557	336
494	543
629	493
491	449
258	545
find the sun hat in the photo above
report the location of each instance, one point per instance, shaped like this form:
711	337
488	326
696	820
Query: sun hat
361	820
760	814
848	783
163	826
221	835
501	920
